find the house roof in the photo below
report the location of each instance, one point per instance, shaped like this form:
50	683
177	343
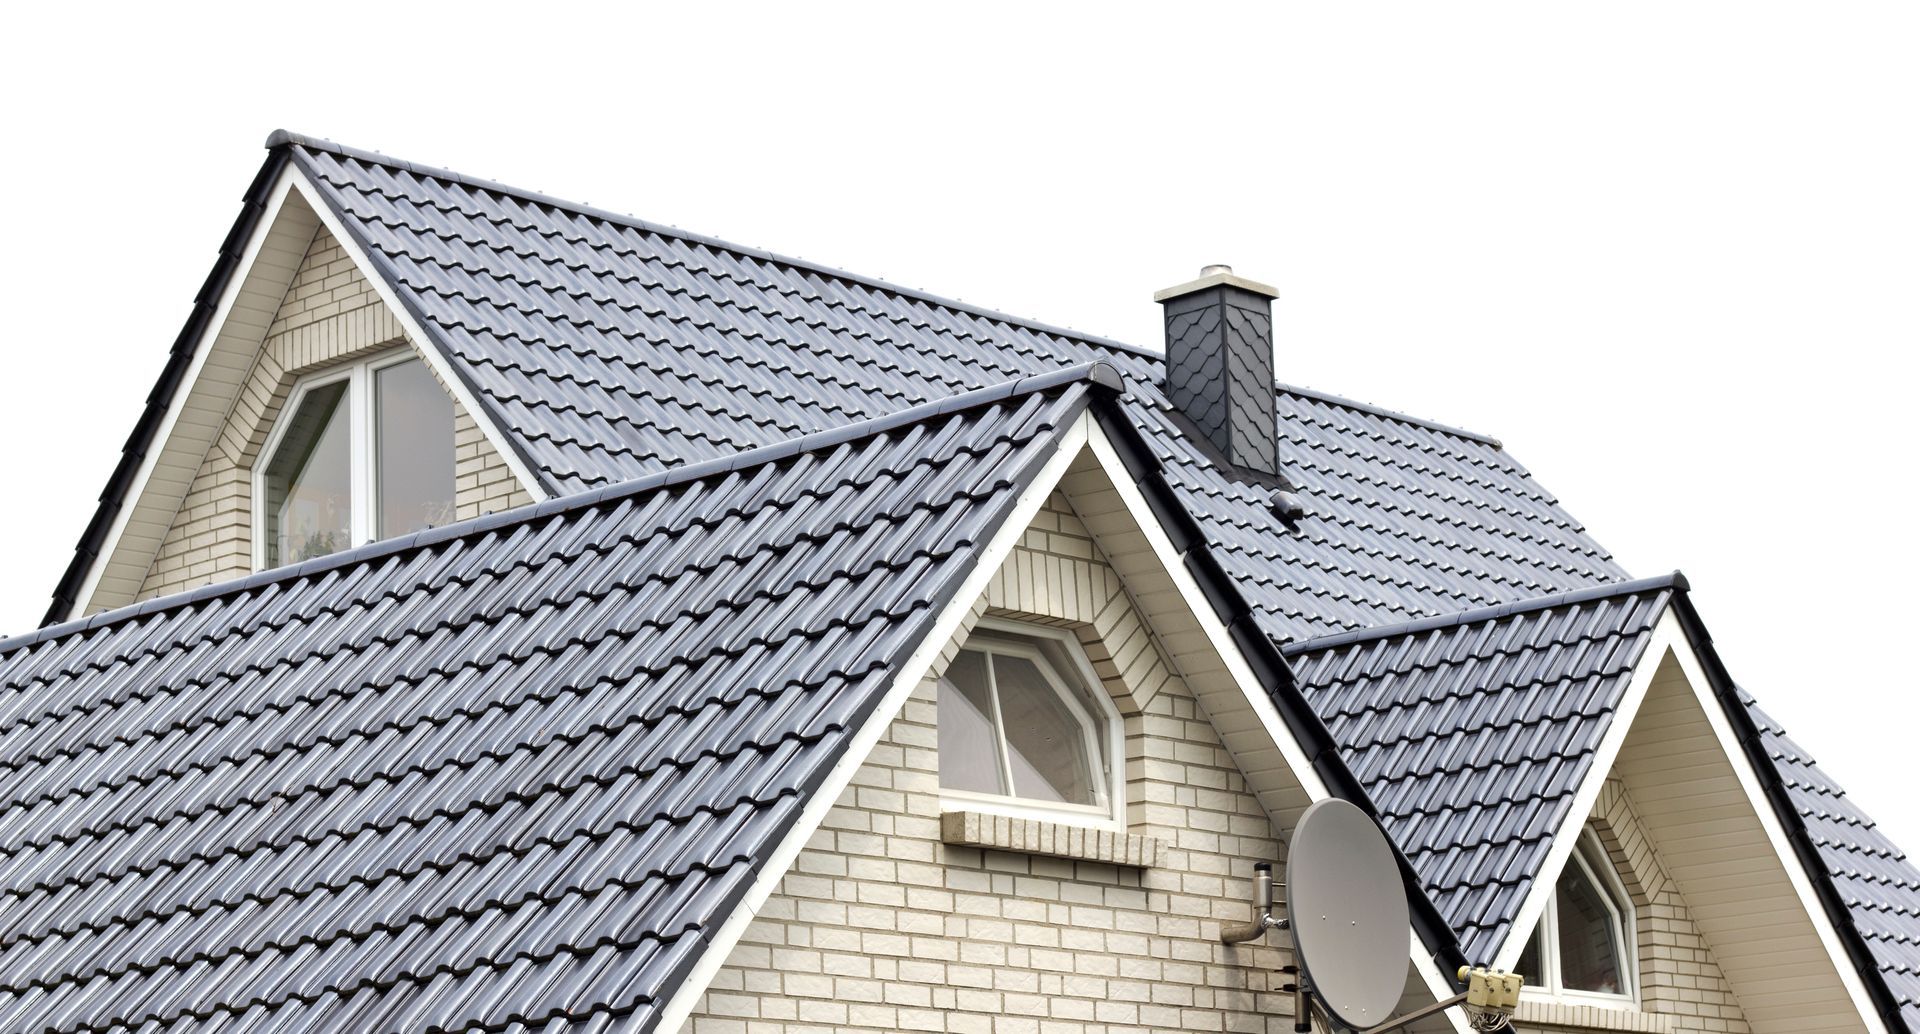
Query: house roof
603	349
606	348
501	773
1508	705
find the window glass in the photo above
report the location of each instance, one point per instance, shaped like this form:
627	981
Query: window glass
413	450
1017	720
969	747
1529	964
309	505
1589	939
1046	741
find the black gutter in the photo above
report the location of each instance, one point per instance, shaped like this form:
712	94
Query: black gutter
1885	1002
133	454
1269	665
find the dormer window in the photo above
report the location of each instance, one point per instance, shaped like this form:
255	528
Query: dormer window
1583	947
361	452
1025	729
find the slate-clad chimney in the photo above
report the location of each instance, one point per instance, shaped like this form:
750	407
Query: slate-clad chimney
1220	363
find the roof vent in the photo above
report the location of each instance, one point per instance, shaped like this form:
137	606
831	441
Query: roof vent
1220	364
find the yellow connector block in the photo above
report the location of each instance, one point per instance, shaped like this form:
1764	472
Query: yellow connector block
1491	988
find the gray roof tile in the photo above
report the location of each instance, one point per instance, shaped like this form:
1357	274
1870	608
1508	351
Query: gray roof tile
510	772
1879	885
608	349
1442	717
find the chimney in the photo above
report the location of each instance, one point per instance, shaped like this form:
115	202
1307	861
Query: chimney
1220	364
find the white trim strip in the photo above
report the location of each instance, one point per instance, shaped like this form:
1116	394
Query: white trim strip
422	343
1209	622
210	332
722	943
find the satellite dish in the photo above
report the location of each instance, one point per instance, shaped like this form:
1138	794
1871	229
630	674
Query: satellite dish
1347	908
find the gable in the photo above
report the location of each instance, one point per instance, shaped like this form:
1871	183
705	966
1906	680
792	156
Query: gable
1731	863
913	909
323	312
330	315
1533	708
516	770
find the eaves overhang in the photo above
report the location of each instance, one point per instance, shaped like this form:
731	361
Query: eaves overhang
1727	693
134	454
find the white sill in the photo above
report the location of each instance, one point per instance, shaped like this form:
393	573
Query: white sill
1590	1012
1044	837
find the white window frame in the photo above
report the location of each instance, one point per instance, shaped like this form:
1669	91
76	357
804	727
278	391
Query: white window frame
1613	893
362	472
1102	727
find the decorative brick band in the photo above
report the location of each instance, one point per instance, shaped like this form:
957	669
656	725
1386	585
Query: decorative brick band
1057	839
1561	1016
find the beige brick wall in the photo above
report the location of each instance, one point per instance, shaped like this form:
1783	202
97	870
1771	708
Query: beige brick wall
330	315
1681	987
881	926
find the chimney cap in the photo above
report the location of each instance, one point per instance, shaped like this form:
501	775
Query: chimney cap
1215	275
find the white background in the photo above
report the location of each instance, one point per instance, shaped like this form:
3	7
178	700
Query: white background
1669	252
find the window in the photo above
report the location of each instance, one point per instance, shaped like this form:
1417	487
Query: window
1584	944
1024	728
360	453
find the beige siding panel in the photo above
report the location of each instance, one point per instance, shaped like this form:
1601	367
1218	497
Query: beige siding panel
330	315
1728	918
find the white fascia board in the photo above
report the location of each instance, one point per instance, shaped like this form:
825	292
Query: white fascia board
424	344
823	800
1209	622
1751	785
1438	982
1666	635
209	332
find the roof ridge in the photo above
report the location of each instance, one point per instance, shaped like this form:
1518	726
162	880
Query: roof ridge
1097	373
285	138
1675	581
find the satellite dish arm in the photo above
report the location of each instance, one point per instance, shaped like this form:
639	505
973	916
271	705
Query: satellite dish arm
1263	918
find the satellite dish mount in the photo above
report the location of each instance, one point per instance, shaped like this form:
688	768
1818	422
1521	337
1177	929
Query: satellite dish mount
1347	912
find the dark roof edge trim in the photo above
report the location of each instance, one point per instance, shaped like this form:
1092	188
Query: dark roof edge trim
1268	665
1096	375
1805	852
1676	581
280	138
1390	414
133	454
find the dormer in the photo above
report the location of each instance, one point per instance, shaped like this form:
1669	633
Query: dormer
308	414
